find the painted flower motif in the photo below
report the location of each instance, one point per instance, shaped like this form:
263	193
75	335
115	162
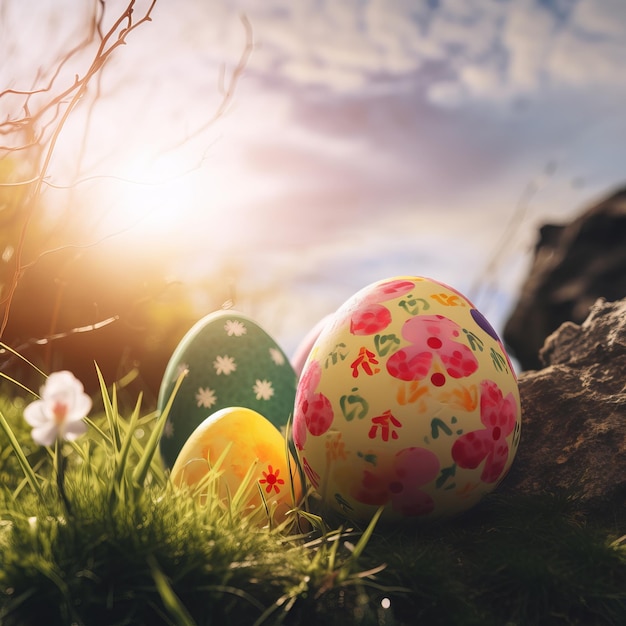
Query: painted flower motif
364	361
399	482
313	411
277	356
311	474
271	480
499	415
370	316
336	448
205	397
224	365
431	337
235	328
263	389
60	411
484	324
387	424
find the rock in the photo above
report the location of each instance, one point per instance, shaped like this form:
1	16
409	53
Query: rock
573	266
574	413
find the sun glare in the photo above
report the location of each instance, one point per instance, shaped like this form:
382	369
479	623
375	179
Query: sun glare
148	198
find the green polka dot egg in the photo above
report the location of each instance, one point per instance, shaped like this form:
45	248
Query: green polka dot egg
229	361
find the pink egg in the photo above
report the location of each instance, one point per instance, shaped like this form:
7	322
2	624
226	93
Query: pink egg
304	348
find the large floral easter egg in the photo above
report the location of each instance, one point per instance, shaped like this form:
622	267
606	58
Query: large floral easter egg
407	400
246	452
230	361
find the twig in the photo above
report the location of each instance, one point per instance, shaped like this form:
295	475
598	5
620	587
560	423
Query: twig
78	89
228	91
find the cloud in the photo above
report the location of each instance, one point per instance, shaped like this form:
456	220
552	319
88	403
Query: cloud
340	46
527	46
526	39
458	51
605	18
592	50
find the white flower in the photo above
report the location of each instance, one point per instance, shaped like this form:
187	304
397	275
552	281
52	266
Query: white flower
60	411
235	327
263	389
205	397
277	356
224	365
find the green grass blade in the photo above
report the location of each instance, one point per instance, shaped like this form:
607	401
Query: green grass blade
23	358
92	425
334	539
293	464
18	383
366	536
244	490
123	457
171	601
110	410
21	457
84	455
143	466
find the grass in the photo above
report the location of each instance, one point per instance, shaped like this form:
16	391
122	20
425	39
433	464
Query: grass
133	550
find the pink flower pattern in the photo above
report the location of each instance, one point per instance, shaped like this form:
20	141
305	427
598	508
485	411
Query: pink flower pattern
498	414
314	412
373	317
399	482
430	336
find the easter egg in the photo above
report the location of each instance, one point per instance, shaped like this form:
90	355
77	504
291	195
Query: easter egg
243	448
230	361
407	401
304	347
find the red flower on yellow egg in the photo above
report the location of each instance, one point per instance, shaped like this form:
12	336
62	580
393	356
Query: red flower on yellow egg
271	480
365	360
385	423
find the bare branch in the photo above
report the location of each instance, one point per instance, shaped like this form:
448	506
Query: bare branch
17	352
45	111
227	90
76	91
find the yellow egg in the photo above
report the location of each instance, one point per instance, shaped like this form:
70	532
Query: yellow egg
241	446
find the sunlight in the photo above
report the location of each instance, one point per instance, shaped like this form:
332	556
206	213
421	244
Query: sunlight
151	197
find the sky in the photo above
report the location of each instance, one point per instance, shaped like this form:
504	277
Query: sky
363	140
